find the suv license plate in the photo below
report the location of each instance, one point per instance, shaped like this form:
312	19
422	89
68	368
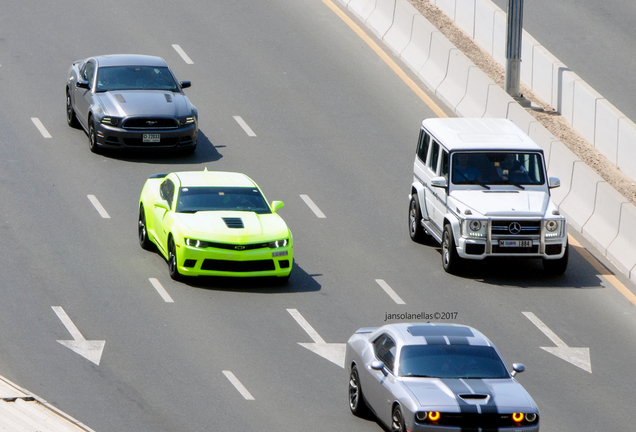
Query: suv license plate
515	243
151	138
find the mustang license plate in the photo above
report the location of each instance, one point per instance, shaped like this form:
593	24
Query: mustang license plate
515	243
151	138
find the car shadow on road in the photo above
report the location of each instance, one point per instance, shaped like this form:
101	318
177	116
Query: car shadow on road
300	281
206	152
528	273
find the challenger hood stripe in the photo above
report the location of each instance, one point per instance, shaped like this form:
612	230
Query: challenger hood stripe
459	387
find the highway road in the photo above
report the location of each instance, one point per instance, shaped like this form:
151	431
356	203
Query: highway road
332	122
592	38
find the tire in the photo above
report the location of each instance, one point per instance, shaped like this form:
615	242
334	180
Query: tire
416	230
357	405
144	241
397	420
450	258
558	266
92	137
173	269
71	118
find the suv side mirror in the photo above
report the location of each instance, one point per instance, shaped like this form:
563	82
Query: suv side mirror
554	182
440	182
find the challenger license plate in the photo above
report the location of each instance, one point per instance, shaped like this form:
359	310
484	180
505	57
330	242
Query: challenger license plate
151	138
515	243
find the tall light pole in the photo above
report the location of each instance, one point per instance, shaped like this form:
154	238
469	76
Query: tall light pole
513	51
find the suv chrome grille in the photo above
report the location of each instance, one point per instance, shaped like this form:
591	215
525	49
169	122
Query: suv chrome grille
516	227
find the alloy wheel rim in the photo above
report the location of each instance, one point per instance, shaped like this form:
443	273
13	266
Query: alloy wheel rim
353	393
142	231
68	107
397	421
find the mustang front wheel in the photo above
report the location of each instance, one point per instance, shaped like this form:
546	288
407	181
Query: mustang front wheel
71	119
92	137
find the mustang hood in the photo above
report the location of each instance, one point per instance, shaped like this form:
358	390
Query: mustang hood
455	395
225	226
504	202
140	103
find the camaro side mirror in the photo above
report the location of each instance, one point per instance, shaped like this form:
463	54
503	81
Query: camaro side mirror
185	84
517	368
554	182
439	182
277	205
162	204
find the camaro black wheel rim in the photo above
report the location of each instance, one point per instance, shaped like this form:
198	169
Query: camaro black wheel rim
172	259
142	227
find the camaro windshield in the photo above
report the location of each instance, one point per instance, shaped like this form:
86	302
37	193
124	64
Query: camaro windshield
451	361
135	78
520	168
194	199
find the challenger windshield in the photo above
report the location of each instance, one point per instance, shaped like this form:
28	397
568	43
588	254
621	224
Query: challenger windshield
112	78
194	199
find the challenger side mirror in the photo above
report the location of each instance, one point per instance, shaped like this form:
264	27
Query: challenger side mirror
517	368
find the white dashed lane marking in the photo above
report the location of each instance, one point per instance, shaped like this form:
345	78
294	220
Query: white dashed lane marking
101	210
182	53
313	206
38	124
236	383
385	286
248	130
161	290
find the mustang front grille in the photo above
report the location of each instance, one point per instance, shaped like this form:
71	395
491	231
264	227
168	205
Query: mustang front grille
150	123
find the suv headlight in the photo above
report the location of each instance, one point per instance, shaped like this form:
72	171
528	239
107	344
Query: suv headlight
474	228
278	243
552	228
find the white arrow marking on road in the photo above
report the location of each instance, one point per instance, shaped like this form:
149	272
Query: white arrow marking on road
90	349
334	352
577	356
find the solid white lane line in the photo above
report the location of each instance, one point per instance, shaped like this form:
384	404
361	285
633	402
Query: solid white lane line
313	206
161	290
248	130
396	298
38	124
182	53
101	210
306	326
236	383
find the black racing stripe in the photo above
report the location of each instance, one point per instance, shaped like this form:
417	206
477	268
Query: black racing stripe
458	340
458	387
440	330
480	387
435	340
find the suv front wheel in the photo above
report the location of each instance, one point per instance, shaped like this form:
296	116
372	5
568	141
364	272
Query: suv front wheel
416	230
450	258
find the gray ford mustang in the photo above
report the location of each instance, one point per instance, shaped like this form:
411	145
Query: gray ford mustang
130	101
435	377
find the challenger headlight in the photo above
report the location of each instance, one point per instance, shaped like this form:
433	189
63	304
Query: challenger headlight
434	416
517	417
425	417
278	243
196	243
110	121
421	416
531	417
186	120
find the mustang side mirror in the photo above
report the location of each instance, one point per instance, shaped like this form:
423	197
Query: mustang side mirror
277	205
554	182
185	84
517	368
82	84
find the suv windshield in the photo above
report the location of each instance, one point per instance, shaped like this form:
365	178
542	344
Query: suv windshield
451	361
518	168
194	199
135	78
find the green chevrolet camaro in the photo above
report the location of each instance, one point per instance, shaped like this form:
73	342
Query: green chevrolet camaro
212	223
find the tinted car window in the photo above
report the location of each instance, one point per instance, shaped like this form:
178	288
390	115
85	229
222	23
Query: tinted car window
194	199
422	147
385	351
135	78
521	168
432	163
451	361
443	168
88	72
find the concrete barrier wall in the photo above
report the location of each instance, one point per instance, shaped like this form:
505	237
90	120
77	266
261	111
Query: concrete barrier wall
592	207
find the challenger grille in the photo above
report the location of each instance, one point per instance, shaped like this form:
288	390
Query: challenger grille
150	123
472	421
238	266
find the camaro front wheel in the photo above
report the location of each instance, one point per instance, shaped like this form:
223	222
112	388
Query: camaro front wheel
144	241
172	260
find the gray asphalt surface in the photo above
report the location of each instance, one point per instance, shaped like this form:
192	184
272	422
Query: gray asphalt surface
332	122
593	38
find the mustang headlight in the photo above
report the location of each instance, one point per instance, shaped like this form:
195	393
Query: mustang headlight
110	121
186	120
196	243
278	243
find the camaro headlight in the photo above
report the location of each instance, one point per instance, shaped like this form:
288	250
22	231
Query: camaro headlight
278	243
110	120
196	243
186	120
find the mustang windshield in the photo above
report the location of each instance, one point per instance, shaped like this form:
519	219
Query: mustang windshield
112	78
451	361
518	168
194	199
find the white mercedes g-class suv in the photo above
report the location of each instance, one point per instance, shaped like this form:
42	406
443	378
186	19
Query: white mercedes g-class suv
480	188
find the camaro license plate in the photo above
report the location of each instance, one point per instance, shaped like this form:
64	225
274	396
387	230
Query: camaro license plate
278	254
151	138
515	243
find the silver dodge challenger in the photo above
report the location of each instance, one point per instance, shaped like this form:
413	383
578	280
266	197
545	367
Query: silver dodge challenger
435	377
130	101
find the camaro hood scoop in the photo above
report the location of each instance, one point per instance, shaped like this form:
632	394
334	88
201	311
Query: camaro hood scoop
233	222
234	226
516	203
133	103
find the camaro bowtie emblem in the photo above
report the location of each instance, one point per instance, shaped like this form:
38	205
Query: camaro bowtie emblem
239	247
514	228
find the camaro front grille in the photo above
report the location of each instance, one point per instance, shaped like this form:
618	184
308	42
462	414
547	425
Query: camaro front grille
238	266
150	123
238	247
